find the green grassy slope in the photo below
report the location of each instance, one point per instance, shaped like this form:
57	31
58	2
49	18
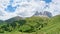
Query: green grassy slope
53	26
37	25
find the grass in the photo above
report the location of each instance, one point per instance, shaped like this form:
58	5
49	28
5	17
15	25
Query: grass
53	27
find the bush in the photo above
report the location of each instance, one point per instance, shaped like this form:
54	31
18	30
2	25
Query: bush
1	30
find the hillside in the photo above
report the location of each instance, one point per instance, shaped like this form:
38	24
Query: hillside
14	19
32	25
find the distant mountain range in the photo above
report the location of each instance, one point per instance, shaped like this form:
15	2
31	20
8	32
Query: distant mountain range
1	21
44	14
17	18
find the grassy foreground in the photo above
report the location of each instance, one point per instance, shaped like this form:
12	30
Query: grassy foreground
33	25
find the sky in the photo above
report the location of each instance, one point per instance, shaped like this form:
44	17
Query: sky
27	8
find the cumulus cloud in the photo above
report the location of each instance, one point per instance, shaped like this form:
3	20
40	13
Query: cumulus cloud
27	8
54	7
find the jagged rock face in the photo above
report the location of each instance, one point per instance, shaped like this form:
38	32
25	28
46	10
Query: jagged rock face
45	13
37	13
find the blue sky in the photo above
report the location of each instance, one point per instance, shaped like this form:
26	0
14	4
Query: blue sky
47	1
10	9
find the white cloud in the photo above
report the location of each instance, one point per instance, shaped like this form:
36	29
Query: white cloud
54	7
28	8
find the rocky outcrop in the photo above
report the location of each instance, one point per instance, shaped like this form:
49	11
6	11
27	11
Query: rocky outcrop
45	14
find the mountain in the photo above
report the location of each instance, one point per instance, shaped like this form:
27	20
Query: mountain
14	19
34	24
1	21
44	14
